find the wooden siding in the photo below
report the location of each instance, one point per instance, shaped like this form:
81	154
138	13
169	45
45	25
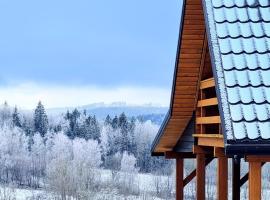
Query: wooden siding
191	59
185	144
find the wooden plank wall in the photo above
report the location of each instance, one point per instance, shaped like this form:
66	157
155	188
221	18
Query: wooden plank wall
188	72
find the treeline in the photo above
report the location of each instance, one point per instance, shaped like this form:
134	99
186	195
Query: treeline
115	135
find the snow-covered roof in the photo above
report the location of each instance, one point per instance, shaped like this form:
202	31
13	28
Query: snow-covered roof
239	41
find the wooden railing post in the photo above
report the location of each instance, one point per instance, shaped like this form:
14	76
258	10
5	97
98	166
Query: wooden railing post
179	179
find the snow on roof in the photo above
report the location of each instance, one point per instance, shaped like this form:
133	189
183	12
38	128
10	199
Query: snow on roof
239	41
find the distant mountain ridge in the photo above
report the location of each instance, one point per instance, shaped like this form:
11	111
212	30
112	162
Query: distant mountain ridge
101	110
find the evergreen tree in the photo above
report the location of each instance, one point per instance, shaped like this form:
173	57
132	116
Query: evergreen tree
67	116
96	129
132	141
5	113
124	125
16	118
27	126
85	112
108	121
73	124
40	120
92	128
115	123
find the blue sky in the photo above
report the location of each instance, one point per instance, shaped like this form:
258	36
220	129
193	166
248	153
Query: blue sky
91	44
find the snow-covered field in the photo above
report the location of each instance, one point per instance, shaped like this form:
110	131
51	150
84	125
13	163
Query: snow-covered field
147	184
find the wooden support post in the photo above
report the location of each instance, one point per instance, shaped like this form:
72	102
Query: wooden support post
222	186
222	174
236	165
255	180
179	179
200	173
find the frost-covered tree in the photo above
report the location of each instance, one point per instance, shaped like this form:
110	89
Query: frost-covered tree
40	120
129	173
115	122
108	121
92	128
68	158
86	161
59	161
38	156
14	160
16	118
73	165
5	113
73	118
104	143
123	125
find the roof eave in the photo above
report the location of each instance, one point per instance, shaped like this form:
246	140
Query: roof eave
159	135
169	114
247	149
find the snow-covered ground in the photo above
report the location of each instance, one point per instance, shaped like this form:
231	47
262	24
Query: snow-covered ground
147	184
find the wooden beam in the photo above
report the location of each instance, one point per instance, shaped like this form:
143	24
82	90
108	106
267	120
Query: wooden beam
207	83
258	158
175	155
211	142
207	102
202	150
200	173
236	166
208	135
179	179
222	177
255	182
208	120
219	152
190	177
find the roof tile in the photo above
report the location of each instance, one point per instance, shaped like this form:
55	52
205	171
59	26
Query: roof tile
252	130
241	30
264	130
240	132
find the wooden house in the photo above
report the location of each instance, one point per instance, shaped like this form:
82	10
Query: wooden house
220	103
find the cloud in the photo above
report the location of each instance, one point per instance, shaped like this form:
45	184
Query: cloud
27	95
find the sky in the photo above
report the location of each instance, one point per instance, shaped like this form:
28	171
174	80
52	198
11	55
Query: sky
70	53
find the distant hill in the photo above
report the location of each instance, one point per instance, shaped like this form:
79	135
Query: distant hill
101	110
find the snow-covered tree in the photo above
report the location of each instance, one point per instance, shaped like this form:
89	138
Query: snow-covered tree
40	120
5	113
115	122
129	173
108	121
16	118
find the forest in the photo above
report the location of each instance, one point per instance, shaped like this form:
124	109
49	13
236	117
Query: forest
74	155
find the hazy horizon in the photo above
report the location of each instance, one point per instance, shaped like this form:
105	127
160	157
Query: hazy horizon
78	53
